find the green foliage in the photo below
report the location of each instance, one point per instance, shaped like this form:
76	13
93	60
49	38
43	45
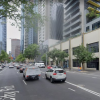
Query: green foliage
31	51
12	9
20	58
57	55
4	56
44	58
83	55
92	14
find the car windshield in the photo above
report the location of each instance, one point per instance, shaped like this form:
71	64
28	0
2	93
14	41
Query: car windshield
59	71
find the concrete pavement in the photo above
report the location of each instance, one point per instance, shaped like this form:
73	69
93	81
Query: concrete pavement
13	87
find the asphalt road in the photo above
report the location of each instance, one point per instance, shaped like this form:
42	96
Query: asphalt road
77	87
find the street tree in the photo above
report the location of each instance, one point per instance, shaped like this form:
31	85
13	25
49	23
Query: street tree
44	58
20	58
4	56
57	55
32	51
83	55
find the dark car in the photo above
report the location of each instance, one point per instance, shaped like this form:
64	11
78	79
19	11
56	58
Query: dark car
21	69
19	66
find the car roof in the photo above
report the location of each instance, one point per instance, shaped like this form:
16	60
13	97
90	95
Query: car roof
57	69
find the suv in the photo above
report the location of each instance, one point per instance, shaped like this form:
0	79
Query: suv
31	72
56	74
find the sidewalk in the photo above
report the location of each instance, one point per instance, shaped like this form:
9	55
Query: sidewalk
81	71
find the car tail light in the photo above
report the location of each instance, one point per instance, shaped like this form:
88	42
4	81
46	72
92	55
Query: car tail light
54	73
27	76
39	75
64	72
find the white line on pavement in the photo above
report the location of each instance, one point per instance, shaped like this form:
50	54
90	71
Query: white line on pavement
71	89
90	91
24	82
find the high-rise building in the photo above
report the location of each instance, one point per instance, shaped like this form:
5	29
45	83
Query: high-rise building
3	34
52	29
29	36
15	47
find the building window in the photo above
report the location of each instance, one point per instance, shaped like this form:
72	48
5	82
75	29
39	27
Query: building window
96	25
66	50
93	47
74	50
76	63
87	29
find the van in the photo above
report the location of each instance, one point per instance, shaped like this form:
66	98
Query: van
40	65
31	72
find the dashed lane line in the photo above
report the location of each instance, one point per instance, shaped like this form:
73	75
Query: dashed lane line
85	89
24	82
71	89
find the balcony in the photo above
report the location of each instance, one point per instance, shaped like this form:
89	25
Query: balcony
93	3
77	21
72	12
71	6
90	8
76	28
78	14
68	3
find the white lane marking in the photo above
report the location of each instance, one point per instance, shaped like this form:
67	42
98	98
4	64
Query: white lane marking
85	89
24	82
71	89
3	70
94	77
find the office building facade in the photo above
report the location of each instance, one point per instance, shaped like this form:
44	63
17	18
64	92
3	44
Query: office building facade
15	47
3	34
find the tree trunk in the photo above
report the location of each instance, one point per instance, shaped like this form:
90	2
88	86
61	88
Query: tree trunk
83	67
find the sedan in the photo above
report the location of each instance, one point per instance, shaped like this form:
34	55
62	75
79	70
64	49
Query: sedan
21	69
11	66
49	67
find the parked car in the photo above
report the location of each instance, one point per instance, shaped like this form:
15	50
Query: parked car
21	69
56	74
49	67
31	72
11	66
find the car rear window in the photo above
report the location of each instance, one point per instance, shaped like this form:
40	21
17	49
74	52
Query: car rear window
59	71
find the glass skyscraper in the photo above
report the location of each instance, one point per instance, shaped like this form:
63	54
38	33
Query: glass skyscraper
3	34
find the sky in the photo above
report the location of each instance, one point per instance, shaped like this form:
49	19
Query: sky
12	33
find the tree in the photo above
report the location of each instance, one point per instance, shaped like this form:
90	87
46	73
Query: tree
20	58
31	51
83	55
57	55
4	56
44	58
12	9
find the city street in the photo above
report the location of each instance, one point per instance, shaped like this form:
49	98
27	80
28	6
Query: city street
78	86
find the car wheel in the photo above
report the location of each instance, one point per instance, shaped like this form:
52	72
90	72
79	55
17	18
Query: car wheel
51	80
23	76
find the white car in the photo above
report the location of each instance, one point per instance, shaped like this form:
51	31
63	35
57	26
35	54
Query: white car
31	72
40	65
56	74
11	66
